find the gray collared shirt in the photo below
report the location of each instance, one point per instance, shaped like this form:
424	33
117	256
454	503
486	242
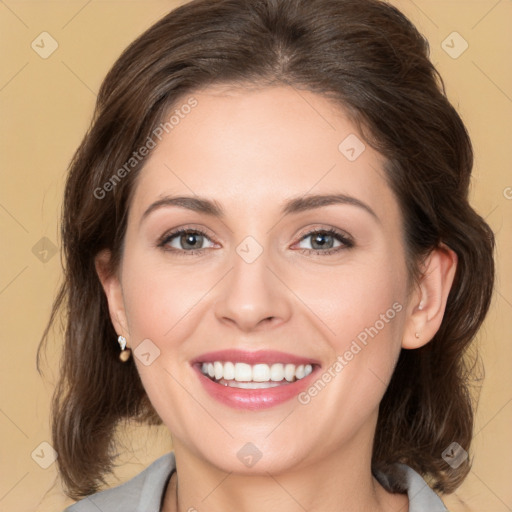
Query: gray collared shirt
145	491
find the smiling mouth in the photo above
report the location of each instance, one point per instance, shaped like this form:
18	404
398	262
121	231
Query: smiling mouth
255	376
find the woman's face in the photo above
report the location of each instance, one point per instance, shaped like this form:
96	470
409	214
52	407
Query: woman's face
321	281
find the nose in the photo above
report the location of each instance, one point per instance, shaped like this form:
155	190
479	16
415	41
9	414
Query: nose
252	296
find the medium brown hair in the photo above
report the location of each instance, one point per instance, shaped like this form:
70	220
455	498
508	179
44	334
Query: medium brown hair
367	57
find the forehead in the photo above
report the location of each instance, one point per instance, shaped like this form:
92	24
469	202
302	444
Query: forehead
251	148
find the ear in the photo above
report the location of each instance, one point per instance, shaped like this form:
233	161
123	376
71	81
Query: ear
428	302
114	292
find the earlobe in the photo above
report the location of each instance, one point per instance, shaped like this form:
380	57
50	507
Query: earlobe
113	291
429	303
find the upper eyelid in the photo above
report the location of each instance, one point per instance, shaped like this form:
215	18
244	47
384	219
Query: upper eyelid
192	228
336	231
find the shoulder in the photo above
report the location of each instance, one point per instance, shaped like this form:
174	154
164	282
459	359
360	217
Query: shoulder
142	493
421	497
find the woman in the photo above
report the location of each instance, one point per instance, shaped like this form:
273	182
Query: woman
270	250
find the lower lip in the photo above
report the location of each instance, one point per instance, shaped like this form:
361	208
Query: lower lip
254	399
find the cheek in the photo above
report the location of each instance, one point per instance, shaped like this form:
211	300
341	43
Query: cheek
160	296
360	311
351	298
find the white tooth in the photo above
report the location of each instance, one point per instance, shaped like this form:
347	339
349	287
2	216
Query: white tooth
217	366
260	373
289	372
229	371
253	385
243	372
277	372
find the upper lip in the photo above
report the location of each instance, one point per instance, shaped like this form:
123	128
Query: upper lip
253	357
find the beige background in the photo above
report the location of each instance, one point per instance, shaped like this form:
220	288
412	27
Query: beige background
46	107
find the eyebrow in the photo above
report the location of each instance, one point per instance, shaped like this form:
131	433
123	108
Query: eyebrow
292	205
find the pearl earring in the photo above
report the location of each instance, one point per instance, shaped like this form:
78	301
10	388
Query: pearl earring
125	352
417	335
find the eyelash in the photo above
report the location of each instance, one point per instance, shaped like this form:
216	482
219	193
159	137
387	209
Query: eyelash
341	237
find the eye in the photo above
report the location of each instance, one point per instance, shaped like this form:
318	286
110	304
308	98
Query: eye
189	241
325	241
185	240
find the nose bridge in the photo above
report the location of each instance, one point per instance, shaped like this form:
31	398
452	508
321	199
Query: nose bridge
251	292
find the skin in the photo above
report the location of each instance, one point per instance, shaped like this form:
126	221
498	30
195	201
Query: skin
250	151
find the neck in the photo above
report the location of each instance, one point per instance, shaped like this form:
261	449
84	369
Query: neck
339	482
